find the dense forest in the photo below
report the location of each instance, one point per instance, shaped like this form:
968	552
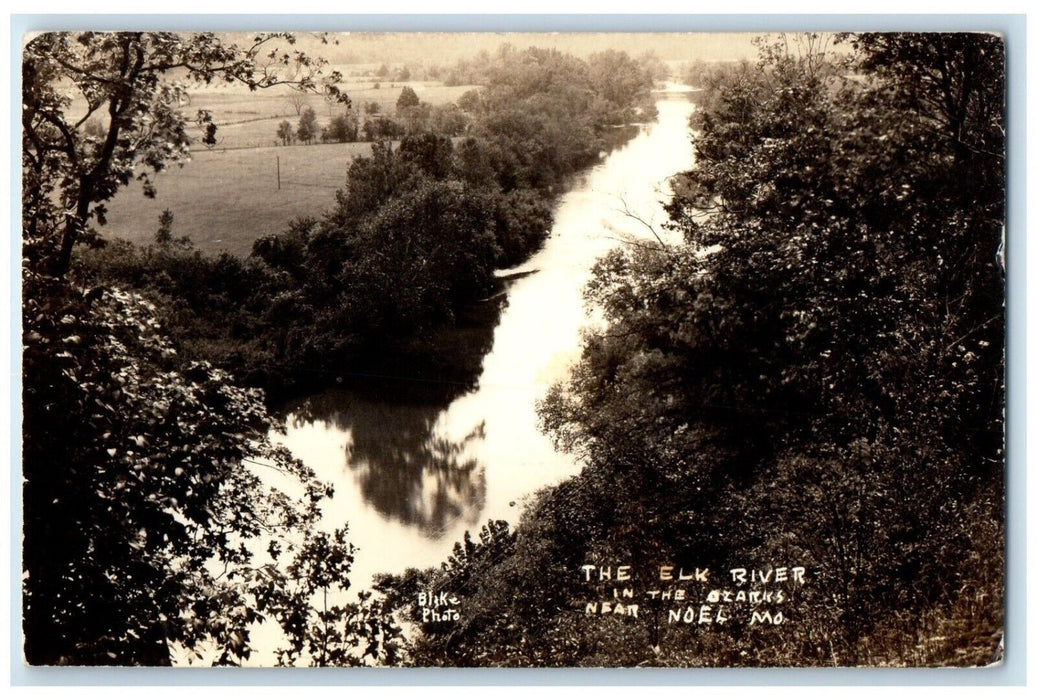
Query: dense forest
814	376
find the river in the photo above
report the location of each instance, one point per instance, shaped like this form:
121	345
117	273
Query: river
409	479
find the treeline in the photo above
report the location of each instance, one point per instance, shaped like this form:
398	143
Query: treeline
617	84
814	378
410	245
412	117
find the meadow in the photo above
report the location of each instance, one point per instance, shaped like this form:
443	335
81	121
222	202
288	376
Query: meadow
249	120
225	200
228	196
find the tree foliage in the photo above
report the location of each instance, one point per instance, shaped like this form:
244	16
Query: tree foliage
407	99
308	128
285	133
329	632
135	85
343	128
622	82
144	524
133	518
326	295
815	375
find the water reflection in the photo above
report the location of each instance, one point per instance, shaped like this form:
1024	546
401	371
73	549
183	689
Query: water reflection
452	440
403	467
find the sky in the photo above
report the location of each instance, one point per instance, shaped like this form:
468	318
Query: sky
446	47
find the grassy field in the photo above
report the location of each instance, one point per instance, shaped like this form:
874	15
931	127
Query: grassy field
227	197
249	120
224	200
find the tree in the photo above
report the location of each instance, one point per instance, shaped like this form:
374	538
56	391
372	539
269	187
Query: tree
619	80
430	153
795	379
470	100
474	163
653	65
164	235
523	223
468	562
370	182
164	240
806	377
434	236
415	120
343	128
382	128
144	525
132	81
448	120
308	127
297	100
131	517
330	633
408	98
285	133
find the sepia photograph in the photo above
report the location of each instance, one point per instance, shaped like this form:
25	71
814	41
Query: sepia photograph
512	350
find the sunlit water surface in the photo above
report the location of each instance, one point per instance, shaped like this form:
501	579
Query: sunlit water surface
410	479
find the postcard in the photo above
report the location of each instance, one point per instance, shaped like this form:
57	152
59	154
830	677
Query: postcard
513	350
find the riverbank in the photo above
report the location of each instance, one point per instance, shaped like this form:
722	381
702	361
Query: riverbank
412	476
